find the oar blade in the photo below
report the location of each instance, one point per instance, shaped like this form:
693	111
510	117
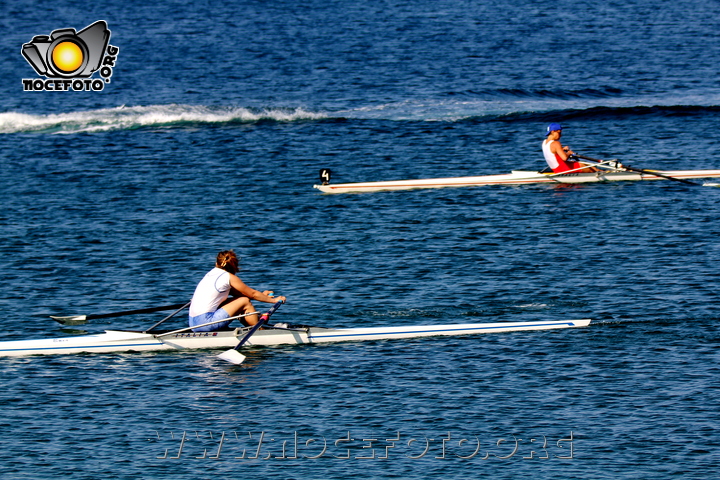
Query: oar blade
71	320
232	356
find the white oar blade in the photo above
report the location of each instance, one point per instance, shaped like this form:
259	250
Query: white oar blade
71	320
232	356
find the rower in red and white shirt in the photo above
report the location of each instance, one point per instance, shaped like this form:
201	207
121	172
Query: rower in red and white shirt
557	156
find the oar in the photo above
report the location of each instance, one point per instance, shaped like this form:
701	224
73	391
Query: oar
233	355
648	172
79	319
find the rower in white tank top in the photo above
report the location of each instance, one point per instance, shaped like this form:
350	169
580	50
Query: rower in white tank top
557	156
212	301
551	159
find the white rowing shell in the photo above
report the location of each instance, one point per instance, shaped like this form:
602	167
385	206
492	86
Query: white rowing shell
517	177
123	341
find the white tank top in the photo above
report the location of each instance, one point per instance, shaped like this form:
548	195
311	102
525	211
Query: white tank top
550	157
212	290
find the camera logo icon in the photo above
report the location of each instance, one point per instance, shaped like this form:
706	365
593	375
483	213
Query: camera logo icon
66	54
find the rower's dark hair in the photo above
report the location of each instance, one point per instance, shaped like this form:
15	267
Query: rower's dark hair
228	261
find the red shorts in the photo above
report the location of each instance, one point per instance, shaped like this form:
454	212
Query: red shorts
564	166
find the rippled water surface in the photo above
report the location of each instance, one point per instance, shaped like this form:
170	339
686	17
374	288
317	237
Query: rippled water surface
210	136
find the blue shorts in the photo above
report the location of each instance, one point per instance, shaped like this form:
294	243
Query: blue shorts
218	314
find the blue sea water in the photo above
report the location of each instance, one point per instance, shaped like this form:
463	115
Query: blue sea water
210	135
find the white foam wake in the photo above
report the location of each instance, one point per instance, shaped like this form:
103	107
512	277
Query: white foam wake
121	118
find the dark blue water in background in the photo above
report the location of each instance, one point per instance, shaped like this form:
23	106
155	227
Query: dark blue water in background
210	136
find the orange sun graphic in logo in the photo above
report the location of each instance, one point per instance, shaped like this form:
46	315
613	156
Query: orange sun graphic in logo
67	56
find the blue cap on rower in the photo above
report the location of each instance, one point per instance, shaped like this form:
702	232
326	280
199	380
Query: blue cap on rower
552	127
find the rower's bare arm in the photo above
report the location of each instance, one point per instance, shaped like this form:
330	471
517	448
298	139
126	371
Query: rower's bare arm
240	287
558	149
